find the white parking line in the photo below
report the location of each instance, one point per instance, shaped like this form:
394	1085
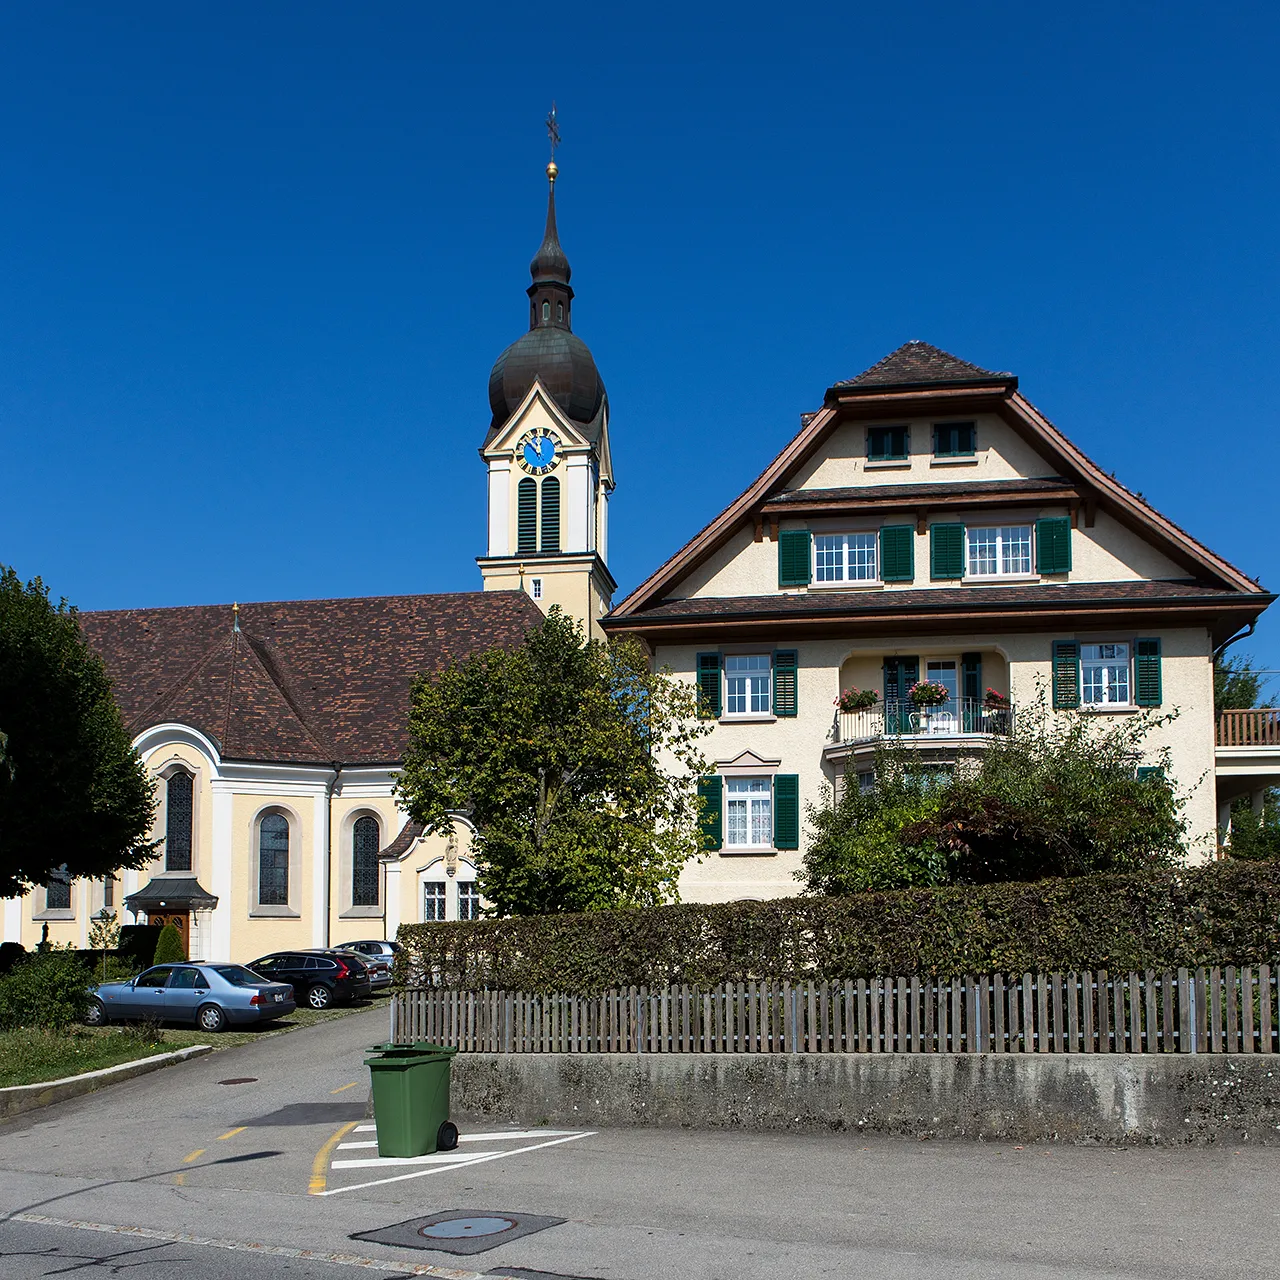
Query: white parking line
455	1161
511	1135
436	1157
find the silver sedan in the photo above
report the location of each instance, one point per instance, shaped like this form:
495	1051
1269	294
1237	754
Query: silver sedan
210	995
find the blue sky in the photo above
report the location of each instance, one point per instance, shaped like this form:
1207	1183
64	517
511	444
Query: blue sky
258	259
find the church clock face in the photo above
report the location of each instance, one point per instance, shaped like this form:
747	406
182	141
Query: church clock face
538	451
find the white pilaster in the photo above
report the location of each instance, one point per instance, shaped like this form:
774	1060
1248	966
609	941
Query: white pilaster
393	898
500	507
320	872
602	525
577	500
12	920
220	876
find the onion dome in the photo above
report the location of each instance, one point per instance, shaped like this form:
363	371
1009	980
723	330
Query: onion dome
550	351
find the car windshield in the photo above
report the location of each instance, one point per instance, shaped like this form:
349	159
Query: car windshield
238	975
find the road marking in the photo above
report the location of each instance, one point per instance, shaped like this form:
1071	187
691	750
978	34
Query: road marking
179	1179
231	1133
384	1265
444	1168
341	1087
513	1135
320	1165
195	1155
435	1157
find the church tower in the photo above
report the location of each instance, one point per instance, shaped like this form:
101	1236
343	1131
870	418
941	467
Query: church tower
547	451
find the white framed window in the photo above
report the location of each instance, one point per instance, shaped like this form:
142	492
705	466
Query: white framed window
1104	674
845	557
1000	552
747	680
748	813
433	899
468	900
535	588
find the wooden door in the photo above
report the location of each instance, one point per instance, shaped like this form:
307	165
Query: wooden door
181	920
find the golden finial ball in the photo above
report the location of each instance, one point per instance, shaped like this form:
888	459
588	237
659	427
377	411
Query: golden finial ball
552	170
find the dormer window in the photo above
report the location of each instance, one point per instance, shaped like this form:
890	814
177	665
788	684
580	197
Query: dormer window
888	444
953	440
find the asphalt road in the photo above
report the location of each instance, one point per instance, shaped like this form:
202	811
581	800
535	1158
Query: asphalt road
246	1178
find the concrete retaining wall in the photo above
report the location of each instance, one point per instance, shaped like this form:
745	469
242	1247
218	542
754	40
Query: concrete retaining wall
1057	1097
17	1098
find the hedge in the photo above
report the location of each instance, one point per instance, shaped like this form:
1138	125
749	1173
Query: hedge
1223	913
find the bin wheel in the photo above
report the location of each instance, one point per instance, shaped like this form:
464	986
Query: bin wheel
447	1138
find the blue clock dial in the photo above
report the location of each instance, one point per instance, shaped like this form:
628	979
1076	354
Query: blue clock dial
539	452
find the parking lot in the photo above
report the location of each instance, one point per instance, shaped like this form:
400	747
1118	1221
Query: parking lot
264	1150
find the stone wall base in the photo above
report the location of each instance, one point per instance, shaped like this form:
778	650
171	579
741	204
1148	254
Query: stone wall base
1079	1098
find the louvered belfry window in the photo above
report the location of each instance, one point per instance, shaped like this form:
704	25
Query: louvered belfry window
364	862
177	826
551	514
527	516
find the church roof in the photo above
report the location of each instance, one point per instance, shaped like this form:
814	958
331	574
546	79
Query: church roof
298	681
916	363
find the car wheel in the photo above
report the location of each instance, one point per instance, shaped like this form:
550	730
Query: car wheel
447	1138
319	997
96	1014
211	1018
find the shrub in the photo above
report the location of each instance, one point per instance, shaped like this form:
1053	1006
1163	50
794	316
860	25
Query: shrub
169	946
1223	913
48	989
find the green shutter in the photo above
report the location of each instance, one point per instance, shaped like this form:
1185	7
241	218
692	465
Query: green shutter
971	666
786	811
953	440
1066	674
897	553
527	516
785	696
946	550
1150	771
1053	545
709	686
551	514
711	819
899	675
793	557
1148	685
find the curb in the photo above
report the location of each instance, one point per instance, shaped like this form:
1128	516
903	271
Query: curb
15	1099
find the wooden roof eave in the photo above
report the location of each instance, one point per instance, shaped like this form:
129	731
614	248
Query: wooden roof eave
1059	495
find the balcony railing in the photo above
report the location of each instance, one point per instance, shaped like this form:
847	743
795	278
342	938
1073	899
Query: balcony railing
1256	727
960	716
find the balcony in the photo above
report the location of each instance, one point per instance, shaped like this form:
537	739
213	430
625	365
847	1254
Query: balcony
961	726
1246	756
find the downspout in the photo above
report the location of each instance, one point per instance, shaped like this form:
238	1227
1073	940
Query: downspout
328	854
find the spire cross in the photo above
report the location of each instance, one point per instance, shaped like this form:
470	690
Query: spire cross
553	131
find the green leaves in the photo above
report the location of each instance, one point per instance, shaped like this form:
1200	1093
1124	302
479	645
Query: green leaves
72	789
576	764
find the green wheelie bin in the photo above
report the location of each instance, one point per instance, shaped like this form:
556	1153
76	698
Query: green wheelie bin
411	1098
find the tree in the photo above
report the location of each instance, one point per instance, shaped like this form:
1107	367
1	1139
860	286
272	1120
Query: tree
73	794
104	935
575	763
1237	685
1059	796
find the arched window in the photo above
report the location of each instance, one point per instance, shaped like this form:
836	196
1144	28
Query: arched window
177	822
364	862
560	312
57	894
546	310
273	861
551	514
527	515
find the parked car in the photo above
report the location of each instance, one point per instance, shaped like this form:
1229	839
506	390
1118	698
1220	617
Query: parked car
210	995
379	956
322	977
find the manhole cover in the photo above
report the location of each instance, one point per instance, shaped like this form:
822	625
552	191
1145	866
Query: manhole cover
465	1228
240	1080
460	1230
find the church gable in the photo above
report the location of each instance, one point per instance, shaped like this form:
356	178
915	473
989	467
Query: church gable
924	472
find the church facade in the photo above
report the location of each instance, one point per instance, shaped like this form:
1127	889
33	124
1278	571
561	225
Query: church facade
926	525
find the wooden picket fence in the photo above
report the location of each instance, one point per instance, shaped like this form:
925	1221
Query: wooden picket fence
1217	1010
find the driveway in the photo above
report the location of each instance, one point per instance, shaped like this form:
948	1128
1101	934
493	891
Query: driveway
254	1163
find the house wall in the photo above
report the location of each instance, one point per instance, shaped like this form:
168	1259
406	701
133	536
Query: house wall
1013	662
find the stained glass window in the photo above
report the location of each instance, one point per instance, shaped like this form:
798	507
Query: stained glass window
273	861
364	862
177	825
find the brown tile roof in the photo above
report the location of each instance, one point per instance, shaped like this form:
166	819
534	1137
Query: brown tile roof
918	362
312	681
916	492
817	604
